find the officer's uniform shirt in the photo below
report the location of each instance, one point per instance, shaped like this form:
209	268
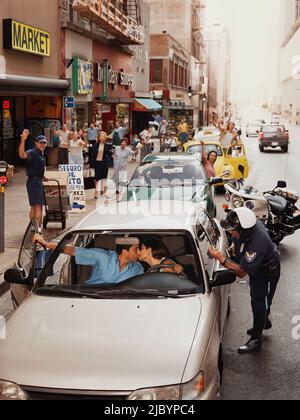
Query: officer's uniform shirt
255	250
36	164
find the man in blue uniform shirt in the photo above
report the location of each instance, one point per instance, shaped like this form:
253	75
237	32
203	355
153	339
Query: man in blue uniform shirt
109	267
254	254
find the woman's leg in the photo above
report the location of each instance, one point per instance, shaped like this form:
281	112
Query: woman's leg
96	190
38	214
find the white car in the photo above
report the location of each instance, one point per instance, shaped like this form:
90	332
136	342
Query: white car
157	336
253	128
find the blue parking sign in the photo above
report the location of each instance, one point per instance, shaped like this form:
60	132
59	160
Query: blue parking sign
69	102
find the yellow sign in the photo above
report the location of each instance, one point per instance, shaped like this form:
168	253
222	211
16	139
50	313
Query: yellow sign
21	37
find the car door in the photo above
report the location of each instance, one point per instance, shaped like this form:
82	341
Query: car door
209	235
26	262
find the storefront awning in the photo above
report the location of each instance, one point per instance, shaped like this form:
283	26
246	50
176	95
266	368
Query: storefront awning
146	105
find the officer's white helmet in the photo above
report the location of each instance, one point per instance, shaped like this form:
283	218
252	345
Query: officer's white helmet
241	218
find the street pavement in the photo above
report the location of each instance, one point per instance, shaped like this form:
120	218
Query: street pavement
273	374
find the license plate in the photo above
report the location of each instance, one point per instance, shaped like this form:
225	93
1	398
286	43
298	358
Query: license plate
274	144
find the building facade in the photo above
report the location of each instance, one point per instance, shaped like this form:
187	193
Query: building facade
218	48
177	57
31	86
289	103
107	42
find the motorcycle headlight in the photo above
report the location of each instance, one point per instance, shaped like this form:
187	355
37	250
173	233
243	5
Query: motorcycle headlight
10	391
227	196
189	391
237	202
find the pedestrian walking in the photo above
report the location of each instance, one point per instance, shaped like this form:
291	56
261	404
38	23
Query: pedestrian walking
183	130
121	155
172	142
36	167
63	134
101	156
76	149
253	254
118	134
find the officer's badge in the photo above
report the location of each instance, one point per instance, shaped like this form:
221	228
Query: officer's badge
250	256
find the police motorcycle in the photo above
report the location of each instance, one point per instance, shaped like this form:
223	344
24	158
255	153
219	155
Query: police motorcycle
276	209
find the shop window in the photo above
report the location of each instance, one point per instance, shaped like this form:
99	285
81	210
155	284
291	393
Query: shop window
156	71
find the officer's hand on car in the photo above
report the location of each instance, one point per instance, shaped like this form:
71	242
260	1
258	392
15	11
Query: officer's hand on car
215	254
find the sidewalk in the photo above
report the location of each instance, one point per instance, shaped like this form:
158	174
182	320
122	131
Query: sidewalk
17	216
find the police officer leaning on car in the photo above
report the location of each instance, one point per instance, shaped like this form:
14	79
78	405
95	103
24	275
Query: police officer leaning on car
253	254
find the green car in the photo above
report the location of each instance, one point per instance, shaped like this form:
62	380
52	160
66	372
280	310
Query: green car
172	176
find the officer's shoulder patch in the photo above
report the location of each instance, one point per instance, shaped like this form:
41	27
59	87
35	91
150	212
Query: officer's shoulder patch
250	256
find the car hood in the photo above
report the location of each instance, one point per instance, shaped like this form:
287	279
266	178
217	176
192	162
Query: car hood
99	345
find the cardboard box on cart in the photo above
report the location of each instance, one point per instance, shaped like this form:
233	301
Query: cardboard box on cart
52	191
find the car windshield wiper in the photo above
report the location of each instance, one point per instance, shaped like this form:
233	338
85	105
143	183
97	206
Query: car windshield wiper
57	290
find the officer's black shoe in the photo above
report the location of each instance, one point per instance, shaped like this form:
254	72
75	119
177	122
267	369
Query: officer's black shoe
268	327
253	346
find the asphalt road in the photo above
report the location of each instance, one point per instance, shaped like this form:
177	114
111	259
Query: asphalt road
274	374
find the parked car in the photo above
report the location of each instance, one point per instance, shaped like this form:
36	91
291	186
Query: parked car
274	136
157	336
231	163
253	127
173	177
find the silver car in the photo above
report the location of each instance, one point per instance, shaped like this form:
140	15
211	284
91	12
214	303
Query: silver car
156	336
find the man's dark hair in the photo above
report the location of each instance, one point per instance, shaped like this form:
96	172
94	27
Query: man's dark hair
121	248
159	251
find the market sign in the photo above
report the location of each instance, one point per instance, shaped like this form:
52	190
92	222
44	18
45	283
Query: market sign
82	77
20	37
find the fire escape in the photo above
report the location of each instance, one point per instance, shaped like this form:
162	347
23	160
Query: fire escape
132	9
120	18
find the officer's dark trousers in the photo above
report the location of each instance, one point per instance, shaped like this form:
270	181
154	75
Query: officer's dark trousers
262	288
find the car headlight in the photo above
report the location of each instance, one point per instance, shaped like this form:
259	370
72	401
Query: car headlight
237	202
171	393
194	389
10	391
227	197
189	391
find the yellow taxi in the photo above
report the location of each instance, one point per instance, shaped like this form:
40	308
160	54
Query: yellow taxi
231	164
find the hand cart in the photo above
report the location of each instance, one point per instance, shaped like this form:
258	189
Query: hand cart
55	204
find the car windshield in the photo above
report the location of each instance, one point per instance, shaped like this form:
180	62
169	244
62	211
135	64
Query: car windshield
168	174
273	129
197	148
257	123
95	272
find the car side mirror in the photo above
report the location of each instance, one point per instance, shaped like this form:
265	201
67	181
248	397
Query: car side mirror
223	278
15	276
281	184
215	181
